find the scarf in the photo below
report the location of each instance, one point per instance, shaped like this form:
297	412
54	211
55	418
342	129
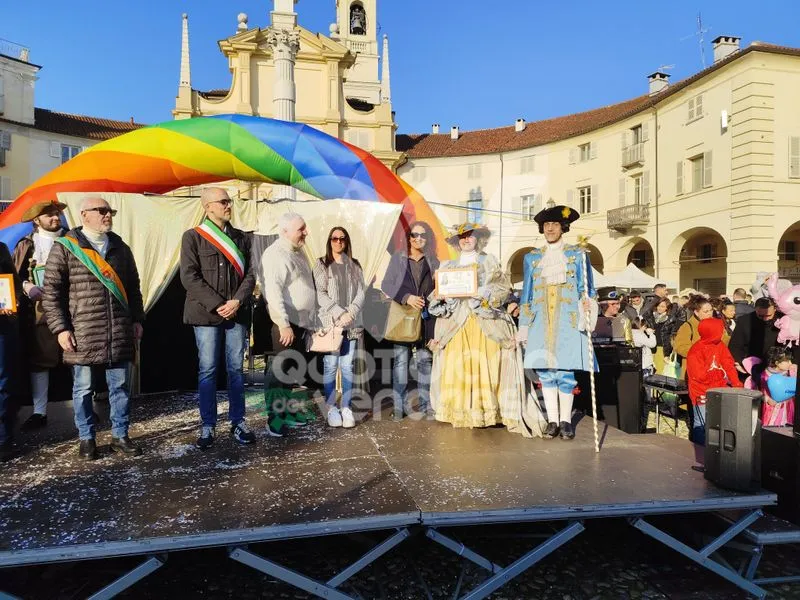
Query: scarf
42	244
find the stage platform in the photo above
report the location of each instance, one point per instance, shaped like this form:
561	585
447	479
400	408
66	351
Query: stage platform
399	477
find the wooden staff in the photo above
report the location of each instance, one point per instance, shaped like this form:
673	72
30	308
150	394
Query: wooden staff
583	241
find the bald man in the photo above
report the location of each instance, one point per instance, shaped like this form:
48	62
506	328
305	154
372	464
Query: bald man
218	276
93	304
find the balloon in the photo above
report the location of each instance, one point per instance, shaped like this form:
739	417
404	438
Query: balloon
163	157
781	387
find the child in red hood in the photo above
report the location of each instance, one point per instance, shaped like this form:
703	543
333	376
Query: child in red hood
709	364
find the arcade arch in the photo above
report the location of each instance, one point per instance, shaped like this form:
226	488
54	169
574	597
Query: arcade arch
701	256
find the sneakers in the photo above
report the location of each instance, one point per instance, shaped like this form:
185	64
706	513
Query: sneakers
334	417
348	420
275	425
242	434
206	439
291	421
34	422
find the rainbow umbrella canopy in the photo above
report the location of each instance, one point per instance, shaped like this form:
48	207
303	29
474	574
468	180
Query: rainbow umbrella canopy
163	157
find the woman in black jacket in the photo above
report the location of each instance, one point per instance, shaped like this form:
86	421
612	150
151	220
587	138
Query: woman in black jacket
409	281
662	320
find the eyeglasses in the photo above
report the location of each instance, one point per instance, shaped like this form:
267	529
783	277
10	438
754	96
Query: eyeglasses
224	202
416	235
102	210
339	239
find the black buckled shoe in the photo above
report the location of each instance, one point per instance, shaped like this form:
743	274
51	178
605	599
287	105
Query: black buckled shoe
567	431
34	422
551	431
88	450
125	445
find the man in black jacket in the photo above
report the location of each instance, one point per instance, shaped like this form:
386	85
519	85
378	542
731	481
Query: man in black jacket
755	333
743	307
9	350
217	273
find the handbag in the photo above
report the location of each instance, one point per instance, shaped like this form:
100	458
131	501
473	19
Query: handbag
325	341
403	323
671	368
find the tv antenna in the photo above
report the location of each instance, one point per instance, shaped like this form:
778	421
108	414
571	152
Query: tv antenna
665	68
700	35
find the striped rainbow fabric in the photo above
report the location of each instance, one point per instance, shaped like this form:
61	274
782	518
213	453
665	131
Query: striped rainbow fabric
163	157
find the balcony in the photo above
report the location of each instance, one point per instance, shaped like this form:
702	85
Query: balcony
633	155
14	50
626	217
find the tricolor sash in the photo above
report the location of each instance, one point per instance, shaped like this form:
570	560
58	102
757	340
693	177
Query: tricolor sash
98	266
222	242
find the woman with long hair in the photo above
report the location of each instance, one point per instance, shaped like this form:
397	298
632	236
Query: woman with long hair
409	281
340	295
661	320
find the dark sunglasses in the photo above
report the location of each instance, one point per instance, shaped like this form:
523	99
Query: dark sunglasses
421	236
225	202
102	211
339	239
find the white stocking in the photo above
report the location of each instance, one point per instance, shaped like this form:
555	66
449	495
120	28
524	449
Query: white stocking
551	403
40	383
565	400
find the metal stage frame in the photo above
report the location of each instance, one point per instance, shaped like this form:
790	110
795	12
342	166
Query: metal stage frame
408	478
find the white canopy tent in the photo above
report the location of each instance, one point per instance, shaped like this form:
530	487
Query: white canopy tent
631	277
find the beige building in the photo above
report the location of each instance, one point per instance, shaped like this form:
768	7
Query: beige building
34	140
339	90
697	183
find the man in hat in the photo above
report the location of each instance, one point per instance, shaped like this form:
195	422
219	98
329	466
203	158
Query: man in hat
41	346
610	305
553	317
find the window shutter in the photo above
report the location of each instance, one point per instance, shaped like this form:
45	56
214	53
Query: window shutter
624	139
622	192
679	180
5	140
573	156
2	97
646	187
690	116
698	107
55	150
5	188
645	134
85	148
595	199
707	169
571	198
794	156
592	150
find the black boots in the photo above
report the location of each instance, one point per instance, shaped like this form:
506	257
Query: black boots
567	431
551	431
88	450
125	445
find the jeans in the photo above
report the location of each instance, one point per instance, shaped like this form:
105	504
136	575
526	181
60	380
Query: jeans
118	381
210	343
698	433
333	362
8	354
424	363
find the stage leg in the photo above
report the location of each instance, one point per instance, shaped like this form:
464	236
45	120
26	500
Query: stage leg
312	586
462	550
123	583
702	557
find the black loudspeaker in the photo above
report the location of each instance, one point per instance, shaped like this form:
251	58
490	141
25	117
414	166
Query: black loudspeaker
780	469
619	386
733	438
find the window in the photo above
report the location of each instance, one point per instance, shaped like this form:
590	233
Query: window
637	190
790	251
701	171
526	165
475	206
794	156
530	206
585	152
474	171
637	134
641	188
695	108
585	198
68	152
2	97
5	140
706	252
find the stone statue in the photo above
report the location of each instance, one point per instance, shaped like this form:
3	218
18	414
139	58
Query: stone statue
358	21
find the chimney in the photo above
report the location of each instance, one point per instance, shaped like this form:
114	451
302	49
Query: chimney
435	128
132	121
724	46
519	125
658	82
454	132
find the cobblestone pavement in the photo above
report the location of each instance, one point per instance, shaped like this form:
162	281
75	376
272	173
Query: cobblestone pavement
610	560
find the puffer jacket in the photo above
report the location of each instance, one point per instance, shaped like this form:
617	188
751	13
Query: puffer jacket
75	300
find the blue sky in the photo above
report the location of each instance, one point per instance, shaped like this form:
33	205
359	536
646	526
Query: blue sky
452	63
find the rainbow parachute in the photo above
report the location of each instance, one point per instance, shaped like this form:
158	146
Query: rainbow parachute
163	157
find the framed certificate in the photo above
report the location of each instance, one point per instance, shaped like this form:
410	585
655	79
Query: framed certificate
8	297
38	276
457	282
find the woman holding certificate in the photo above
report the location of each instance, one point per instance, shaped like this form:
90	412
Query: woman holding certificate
478	378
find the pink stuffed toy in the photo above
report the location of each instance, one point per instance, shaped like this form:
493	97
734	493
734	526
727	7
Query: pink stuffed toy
788	302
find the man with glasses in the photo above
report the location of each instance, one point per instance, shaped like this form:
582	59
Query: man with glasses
93	304
755	334
218	276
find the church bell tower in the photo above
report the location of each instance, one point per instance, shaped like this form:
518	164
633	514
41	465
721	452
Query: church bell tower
357	28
